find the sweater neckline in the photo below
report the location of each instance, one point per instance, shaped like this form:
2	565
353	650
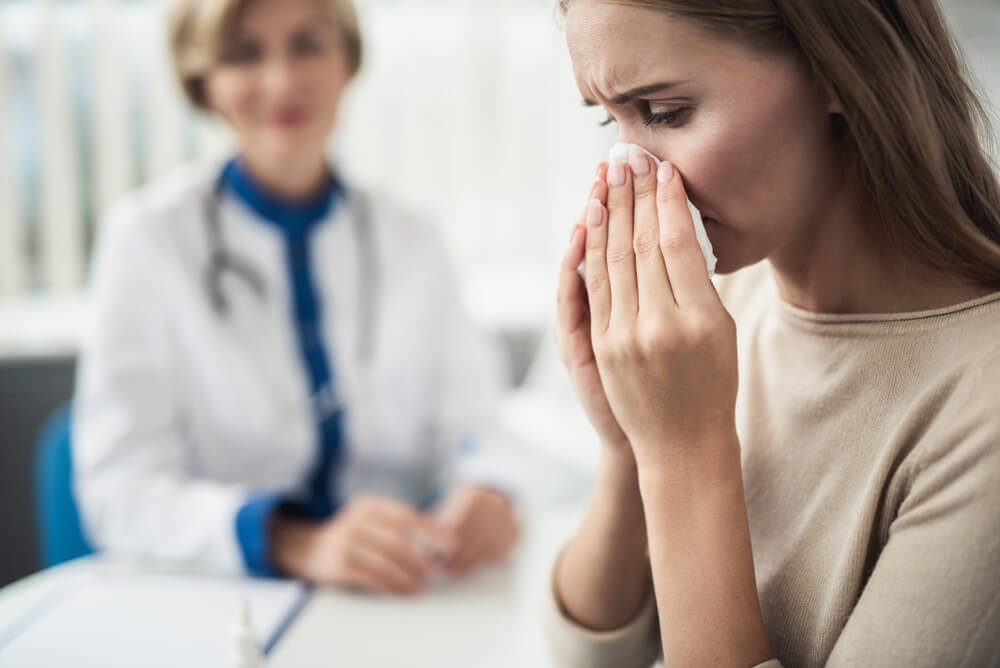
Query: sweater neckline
898	323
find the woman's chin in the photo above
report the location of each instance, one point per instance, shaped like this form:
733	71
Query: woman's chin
730	262
296	154
730	254
286	144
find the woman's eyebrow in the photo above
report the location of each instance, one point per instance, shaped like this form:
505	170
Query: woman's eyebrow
322	21
630	95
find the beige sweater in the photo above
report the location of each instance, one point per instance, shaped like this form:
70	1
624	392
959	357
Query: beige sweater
871	460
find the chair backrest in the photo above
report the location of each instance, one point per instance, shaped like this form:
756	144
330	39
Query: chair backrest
60	533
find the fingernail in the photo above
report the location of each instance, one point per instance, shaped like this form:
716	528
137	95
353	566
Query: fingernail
594	213
665	172
616	173
639	162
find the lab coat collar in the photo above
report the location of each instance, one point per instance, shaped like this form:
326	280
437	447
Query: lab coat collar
293	218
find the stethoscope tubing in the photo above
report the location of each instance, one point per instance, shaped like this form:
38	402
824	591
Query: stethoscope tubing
221	260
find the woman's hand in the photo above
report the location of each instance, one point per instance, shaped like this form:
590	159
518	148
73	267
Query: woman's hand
484	525
573	332
663	342
373	543
666	350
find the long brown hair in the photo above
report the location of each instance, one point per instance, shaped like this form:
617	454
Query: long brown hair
918	128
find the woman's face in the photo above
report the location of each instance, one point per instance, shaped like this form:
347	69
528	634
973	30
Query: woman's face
750	133
281	78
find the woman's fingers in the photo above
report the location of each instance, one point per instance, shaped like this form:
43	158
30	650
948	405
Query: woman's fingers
682	255
381	573
651	273
596	267
400	549
620	256
571	306
360	578
473	550
406	520
600	188
571	295
489	534
478	547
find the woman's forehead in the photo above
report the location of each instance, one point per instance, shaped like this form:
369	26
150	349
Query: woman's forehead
616	48
270	16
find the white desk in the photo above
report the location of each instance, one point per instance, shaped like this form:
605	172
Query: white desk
492	618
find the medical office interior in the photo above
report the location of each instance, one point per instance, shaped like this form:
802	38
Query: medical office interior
465	111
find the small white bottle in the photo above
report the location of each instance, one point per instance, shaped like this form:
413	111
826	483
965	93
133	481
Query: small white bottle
246	644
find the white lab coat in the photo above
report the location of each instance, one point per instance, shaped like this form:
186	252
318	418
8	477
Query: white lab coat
181	414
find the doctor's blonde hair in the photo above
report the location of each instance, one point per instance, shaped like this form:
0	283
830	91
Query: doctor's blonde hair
199	30
915	123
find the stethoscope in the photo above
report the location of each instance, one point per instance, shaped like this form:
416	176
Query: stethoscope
357	385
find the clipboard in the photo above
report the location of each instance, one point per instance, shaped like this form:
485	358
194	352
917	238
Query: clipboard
152	620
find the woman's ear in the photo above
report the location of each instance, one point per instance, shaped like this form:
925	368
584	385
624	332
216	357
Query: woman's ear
834	106
209	96
835	111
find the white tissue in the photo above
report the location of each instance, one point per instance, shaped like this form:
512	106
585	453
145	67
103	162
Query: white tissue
621	152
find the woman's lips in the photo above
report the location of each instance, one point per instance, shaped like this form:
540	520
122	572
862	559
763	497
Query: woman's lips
290	118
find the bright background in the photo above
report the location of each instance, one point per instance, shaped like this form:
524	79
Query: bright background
466	111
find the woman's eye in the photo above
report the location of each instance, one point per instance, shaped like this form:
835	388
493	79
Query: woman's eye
311	42
242	54
672	117
307	46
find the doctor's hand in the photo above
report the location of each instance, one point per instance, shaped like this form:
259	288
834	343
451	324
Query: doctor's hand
483	523
573	333
375	544
663	342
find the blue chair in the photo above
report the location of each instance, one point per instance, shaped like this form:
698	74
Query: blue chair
60	533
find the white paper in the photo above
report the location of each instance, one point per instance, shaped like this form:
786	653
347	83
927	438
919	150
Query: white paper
147	620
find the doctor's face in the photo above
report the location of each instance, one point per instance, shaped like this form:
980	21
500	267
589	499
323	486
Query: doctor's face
750	132
281	78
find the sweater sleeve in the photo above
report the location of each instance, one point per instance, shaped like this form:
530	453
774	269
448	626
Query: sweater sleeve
635	645
933	598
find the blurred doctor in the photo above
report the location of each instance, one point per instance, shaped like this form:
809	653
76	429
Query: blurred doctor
280	377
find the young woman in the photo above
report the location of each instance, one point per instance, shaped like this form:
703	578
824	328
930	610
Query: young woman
801	465
280	377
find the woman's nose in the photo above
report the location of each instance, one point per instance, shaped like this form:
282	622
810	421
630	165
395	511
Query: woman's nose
629	136
626	136
280	76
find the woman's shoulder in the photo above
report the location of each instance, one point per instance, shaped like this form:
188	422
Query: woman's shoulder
164	200
401	231
159	221
958	458
392	216
972	404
